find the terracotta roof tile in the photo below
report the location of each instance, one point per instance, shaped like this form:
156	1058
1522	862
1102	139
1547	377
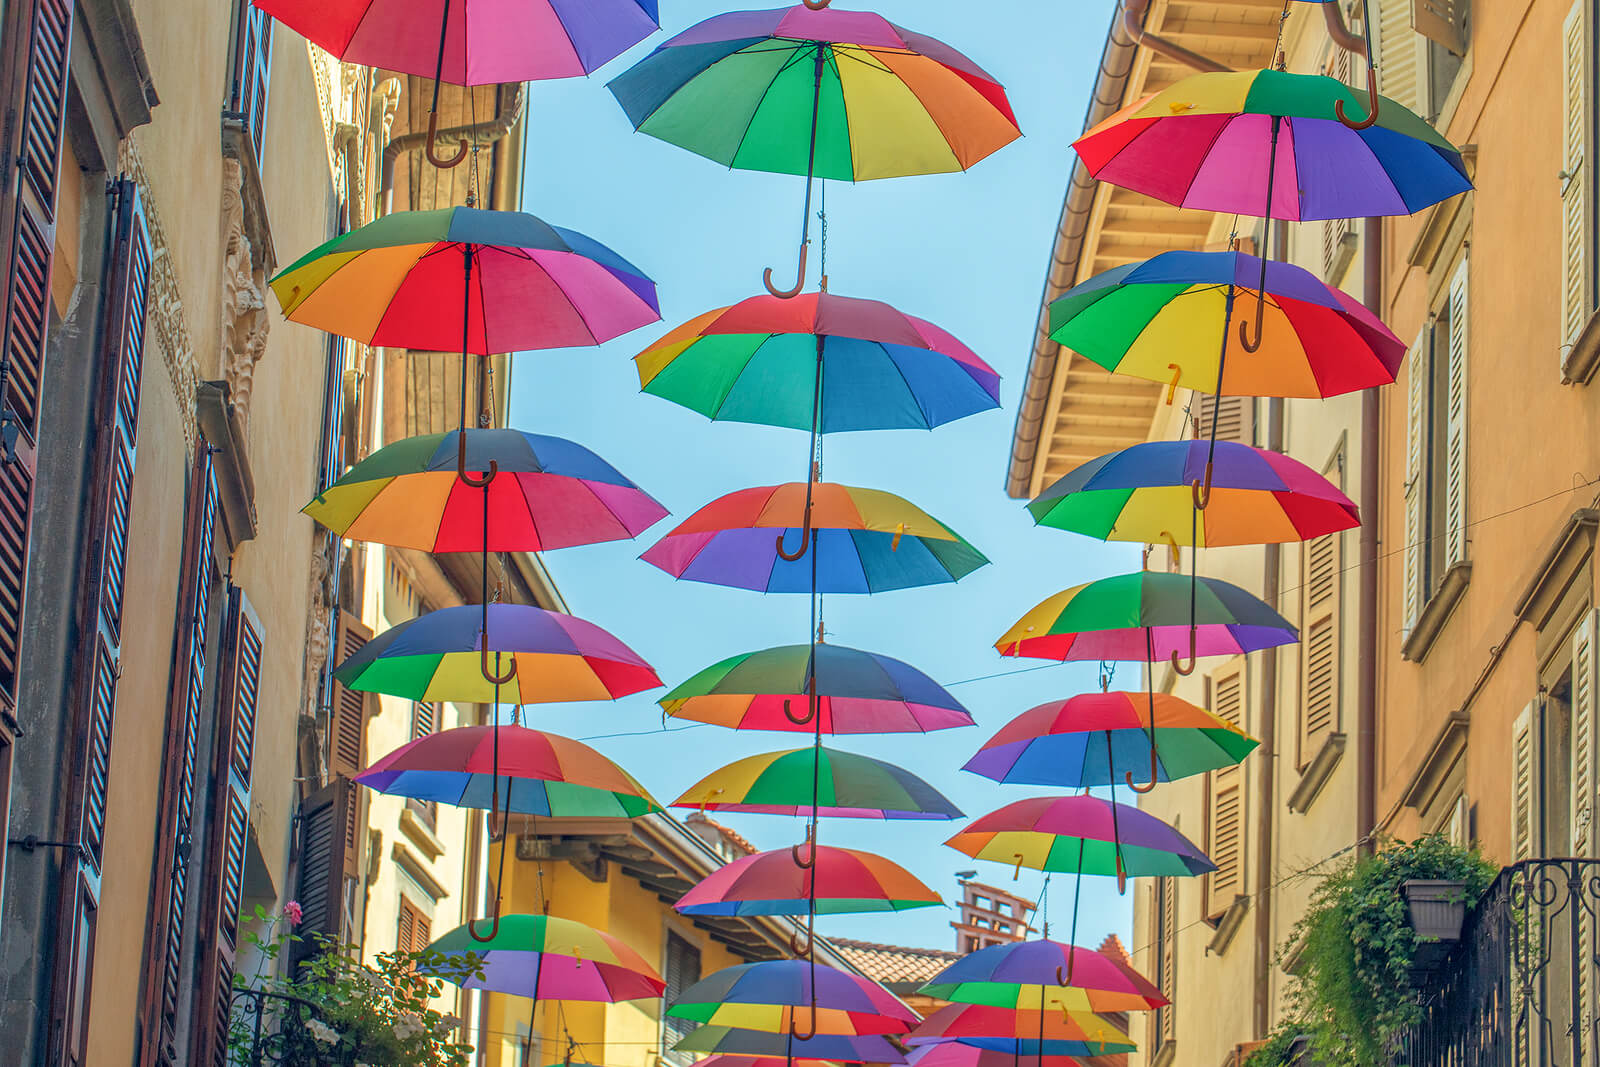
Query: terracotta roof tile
1112	946
736	839
896	964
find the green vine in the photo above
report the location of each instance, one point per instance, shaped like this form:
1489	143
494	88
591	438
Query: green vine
1279	1049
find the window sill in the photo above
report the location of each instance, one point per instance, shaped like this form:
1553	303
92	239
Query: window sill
421	834
1317	772
1579	362
1437	612
1228	926
1165	1054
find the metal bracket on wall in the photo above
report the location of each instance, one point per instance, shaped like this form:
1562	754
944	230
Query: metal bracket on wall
33	841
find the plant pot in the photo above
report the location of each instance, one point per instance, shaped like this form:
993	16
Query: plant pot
1437	908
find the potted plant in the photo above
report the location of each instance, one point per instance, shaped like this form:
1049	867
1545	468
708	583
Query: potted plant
1437	907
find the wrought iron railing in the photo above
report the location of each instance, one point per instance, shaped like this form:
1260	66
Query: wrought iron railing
1520	988
268	1029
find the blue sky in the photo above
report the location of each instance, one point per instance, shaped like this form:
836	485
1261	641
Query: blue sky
967	251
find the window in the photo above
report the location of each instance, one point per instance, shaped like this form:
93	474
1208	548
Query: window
1321	578
1436	465
415	931
1235	417
1225	801
1420	45
1338	235
252	73
424	721
1164	946
681	971
1577	285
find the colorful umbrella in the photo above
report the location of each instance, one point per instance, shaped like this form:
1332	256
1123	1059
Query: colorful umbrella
866	541
975	1023
759	361
839	881
1050	1049
1099	738
773	994
443	655
758	1061
841	1048
1146	616
1209	141
1256	497
548	958
537	773
466	279
1044	975
555	494
846	785
878	101
1080	833
955	1054
1163	319
857	693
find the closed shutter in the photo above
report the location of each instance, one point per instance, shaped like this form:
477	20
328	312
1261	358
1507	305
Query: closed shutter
328	859
1321	576
1575	303
1527	769
252	72
331	463
681	970
1418	376
1225	810
1585	681
229	831
424	721
347	723
1336	251
1401	56
1455	429
94	698
416	931
1235	418
1167	959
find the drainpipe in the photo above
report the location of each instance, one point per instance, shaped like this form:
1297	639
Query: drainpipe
480	134
1367	617
1133	14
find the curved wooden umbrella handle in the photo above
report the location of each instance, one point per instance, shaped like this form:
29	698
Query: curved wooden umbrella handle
1372	104
461	465
1172	386
494	926
794	1030
1261	315
816	5
442	162
1178	665
1122	875
1016	871
1202	490
1155	768
795	945
794	850
811	711
488	675
788	294
805	542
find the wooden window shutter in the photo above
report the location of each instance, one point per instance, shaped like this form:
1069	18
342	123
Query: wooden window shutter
1455	442
1575	301
681	970
327	860
1415	560
1527	770
1444	22
416	931
1585	681
424	721
252	72
1225	807
331	461
1321	579
1235	418
1401	59
347	724
1338	235
1167	959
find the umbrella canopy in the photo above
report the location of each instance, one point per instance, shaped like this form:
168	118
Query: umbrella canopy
857	693
955	1054
1144	493
1118	618
759	1061
978	1023
413	279
768	995
866	541
1033	976
548	958
846	785
746	88
840	881
440	656
1142	318
538	774
847	1048
1206	142
1080	833
1097	738
549	493
484	42
757	362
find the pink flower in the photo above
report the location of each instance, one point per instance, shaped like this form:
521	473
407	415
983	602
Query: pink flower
293	913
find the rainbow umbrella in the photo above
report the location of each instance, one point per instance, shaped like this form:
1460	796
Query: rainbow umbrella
856	693
547	958
839	881
1043	975
467	279
1081	833
1268	143
1256	496
956	1054
830	94
762	360
1000	1029
537	773
554	494
728	1060
1148	616
1163	319
1098	738
774	995
846	785
865	541
841	1048
444	655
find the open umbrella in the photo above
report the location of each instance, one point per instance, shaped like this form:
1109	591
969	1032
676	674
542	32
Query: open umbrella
762	361
838	881
1107	1043
1098	738
1162	319
831	94
444	655
775	995
955	1054
840	1048
1044	975
847	785
865	541
549	958
856	693
730	1060
538	773
1255	497
979	1024
554	493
